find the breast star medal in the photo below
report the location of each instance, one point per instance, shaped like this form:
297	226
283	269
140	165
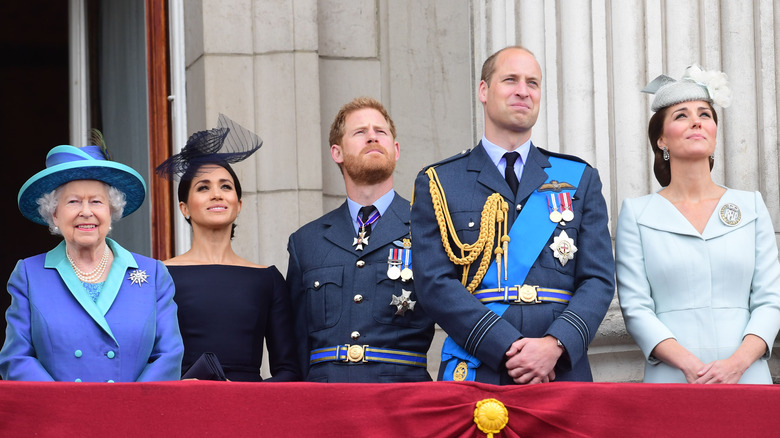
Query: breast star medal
730	214
403	303
137	277
563	248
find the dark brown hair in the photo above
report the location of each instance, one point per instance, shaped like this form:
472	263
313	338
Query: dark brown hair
189	176
655	130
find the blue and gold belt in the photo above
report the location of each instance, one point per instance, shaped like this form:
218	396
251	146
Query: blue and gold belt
524	294
364	353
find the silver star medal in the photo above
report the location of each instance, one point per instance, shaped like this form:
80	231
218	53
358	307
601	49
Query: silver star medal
403	303
137	277
360	240
563	248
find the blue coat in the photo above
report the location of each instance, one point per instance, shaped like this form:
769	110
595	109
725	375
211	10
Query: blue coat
324	277
707	291
468	179
130	334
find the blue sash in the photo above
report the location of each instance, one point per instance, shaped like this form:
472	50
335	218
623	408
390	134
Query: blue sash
524	249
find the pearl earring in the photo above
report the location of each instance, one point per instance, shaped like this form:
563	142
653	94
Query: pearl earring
666	153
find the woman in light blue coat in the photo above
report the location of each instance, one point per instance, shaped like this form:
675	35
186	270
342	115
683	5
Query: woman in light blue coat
697	268
88	310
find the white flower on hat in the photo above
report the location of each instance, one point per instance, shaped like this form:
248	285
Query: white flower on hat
716	83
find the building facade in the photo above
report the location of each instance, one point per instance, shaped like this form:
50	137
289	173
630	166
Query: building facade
282	68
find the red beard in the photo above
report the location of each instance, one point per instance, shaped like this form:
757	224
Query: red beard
368	170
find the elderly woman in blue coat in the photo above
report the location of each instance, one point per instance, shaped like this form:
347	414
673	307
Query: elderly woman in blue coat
88	310
697	268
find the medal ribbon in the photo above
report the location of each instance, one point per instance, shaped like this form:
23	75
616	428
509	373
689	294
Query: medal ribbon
552	204
371	219
565	198
393	255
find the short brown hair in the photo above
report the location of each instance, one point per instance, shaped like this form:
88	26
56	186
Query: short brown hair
661	168
358	103
489	66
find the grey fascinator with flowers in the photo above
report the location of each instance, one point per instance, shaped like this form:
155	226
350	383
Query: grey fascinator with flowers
696	84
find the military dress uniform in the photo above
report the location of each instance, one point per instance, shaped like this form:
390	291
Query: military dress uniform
355	320
569	274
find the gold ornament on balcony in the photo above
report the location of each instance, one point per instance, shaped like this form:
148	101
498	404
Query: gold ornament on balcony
491	416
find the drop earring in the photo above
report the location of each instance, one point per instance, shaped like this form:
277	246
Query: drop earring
666	153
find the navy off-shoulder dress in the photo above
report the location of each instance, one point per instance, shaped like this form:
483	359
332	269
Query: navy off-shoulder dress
229	310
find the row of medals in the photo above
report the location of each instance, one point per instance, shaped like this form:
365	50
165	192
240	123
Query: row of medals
560	207
399	262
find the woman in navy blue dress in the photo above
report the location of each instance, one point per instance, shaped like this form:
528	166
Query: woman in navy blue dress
227	304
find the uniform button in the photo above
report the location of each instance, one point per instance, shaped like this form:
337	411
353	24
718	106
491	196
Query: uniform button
77	353
110	354
110	381
77	380
355	335
358	298
316	284
519	207
360	263
471	224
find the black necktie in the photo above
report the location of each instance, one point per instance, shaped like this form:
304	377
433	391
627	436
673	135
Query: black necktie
509	174
365	218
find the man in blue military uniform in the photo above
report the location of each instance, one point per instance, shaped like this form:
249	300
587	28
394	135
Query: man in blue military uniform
512	253
350	271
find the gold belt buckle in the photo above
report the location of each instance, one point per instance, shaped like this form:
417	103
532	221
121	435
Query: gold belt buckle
356	353
527	294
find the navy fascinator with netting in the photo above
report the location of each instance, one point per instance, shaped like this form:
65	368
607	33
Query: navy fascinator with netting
229	142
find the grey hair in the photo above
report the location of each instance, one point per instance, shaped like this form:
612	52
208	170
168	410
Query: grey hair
47	205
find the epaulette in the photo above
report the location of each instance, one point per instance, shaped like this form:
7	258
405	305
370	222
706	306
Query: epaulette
464	153
563	156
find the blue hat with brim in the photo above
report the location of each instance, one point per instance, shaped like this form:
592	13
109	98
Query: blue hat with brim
68	163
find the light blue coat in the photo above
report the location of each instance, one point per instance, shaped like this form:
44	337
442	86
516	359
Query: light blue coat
130	334
707	291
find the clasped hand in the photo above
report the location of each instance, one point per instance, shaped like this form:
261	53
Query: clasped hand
532	360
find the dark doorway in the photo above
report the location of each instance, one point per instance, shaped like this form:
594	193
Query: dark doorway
33	117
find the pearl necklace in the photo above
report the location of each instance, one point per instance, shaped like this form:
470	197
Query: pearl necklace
90	277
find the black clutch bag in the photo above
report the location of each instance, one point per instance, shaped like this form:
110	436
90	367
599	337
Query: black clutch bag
207	367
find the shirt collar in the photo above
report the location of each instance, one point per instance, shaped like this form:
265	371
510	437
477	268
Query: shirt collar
496	153
381	204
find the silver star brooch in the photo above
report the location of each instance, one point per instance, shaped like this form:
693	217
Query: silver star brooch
137	277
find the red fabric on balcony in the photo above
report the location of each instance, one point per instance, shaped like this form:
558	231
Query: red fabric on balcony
436	409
